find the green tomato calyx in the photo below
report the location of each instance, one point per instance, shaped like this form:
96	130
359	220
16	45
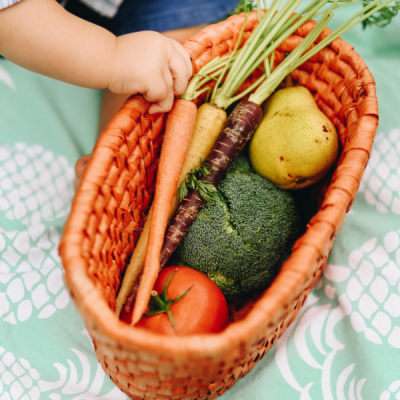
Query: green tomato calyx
160	303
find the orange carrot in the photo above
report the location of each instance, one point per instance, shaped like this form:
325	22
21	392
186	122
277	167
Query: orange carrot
178	132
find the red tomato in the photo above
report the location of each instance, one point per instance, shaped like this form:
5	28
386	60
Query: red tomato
202	310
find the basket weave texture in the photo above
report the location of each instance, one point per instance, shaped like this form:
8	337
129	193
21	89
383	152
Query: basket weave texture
109	210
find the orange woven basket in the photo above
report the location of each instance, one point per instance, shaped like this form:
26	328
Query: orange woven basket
109	210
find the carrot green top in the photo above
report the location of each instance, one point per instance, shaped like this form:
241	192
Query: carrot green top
276	25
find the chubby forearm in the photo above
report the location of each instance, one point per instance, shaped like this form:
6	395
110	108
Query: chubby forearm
41	36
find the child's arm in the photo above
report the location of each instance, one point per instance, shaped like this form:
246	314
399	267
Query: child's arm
41	36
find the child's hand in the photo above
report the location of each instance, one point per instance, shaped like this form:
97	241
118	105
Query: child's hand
151	64
67	48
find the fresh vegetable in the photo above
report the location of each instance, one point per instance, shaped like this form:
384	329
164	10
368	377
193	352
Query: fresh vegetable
193	181
238	128
383	17
296	143
242	236
209	122
178	132
201	307
133	270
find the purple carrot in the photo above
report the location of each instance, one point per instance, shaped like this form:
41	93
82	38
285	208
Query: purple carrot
237	131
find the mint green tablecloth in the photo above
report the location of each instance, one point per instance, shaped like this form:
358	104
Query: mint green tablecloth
345	343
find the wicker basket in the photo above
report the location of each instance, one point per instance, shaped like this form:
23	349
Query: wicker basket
109	209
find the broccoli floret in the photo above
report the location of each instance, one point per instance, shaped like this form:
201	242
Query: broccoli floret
242	236
241	165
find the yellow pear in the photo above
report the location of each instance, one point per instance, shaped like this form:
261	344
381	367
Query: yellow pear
295	144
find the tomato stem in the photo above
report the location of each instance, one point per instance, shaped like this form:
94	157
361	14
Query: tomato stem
156	302
160	303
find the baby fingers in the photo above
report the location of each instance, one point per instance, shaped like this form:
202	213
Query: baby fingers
181	68
153	65
161	93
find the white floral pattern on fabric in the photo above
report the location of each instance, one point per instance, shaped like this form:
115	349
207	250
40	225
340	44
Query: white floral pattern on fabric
320	322
35	185
370	284
31	276
20	380
381	181
392	393
43	354
363	294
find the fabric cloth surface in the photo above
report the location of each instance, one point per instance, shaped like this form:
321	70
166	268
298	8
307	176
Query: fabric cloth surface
345	343
153	15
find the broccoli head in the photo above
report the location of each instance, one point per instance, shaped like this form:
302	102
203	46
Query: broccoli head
242	236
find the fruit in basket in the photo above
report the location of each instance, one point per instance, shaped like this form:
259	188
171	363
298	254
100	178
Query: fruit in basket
295	144
242	236
184	302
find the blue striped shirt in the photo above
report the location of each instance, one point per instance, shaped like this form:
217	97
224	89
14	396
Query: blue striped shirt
106	8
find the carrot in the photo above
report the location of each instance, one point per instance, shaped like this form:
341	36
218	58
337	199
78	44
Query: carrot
178	132
209	122
238	129
135	266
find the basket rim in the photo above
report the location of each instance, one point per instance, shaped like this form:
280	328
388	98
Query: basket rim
273	304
